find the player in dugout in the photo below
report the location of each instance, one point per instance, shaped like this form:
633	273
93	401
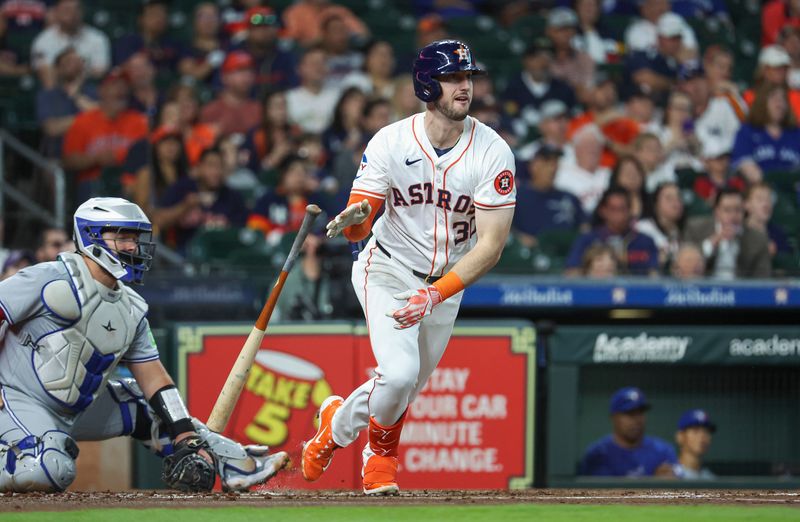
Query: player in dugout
447	182
695	429
627	451
66	325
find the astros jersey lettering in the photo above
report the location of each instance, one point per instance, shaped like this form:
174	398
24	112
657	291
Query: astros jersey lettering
429	218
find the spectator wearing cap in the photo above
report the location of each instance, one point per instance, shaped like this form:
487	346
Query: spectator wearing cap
592	38
525	94
617	129
776	15
198	202
717	173
68	30
688	263
153	39
627	451
656	70
304	20
731	248
574	67
642	35
773	69
693	437
233	110
586	178
758	206
16	261
57	107
203	57
376	79
275	64
770	140
636	253
341	59
153	165
553	127
101	137
718	110
311	104
541	207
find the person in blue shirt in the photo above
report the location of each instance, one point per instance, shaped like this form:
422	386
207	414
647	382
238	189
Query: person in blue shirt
637	254
540	206
153	38
627	451
770	140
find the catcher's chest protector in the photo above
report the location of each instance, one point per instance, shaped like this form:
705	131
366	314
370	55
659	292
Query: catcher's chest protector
74	363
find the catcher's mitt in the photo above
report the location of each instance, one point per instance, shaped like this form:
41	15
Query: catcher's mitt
186	469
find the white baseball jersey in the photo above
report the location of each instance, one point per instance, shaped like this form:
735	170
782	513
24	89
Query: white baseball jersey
429	220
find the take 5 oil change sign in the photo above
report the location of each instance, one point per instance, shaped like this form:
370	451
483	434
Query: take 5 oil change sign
470	427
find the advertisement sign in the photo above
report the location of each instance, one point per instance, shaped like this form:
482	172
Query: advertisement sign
747	345
470	427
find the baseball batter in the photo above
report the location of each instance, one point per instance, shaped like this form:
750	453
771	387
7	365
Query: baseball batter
447	182
67	324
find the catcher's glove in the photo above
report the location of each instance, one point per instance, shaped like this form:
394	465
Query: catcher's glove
186	469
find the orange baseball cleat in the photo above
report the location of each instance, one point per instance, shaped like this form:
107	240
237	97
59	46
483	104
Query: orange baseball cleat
380	476
318	452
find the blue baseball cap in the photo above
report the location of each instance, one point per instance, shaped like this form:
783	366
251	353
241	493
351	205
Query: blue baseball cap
628	399
696	417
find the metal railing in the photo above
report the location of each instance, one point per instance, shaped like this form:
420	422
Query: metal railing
56	217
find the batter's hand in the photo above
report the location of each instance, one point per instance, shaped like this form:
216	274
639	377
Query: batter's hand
419	303
355	214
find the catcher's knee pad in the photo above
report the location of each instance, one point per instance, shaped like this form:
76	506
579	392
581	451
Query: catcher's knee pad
45	463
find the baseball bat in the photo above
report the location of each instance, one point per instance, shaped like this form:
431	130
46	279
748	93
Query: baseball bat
241	367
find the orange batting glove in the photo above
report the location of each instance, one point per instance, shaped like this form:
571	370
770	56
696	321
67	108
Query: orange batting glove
419	303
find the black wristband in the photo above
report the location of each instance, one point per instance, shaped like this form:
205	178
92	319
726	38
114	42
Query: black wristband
169	407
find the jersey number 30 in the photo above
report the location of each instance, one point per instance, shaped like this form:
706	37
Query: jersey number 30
463	230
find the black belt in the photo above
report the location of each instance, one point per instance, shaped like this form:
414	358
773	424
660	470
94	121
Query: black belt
424	277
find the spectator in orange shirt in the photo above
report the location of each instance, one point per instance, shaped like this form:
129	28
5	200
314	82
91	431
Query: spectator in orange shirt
773	69
775	16
304	20
197	136
618	130
101	137
234	111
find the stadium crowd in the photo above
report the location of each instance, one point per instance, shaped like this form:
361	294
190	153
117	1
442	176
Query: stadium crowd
639	153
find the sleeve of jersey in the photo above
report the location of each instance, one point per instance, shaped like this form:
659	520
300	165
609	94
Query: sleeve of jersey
143	348
496	188
20	294
371	183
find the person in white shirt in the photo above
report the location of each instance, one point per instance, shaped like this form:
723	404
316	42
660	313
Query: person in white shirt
641	35
553	126
68	30
585	178
693	437
311	104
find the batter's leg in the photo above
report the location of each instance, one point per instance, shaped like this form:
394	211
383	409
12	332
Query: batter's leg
386	396
36	452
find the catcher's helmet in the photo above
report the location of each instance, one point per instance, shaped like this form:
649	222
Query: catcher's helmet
437	59
100	214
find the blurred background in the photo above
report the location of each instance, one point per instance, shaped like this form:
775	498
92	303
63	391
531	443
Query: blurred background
655	241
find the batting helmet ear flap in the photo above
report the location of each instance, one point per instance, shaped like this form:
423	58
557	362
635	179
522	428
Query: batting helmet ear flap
426	88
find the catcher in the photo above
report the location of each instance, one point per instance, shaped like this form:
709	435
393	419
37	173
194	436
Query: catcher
66	325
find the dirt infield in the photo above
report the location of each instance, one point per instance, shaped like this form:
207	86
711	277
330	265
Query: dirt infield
164	499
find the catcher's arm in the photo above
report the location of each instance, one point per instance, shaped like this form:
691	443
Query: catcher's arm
190	467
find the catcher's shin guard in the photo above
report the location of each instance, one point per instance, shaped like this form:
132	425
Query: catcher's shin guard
45	463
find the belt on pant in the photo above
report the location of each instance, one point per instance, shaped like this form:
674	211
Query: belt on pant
425	277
